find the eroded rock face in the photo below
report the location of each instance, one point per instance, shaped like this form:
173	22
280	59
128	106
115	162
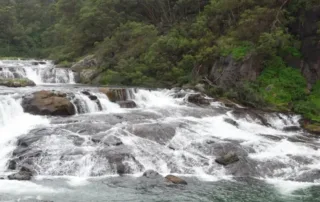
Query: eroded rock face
48	103
16	83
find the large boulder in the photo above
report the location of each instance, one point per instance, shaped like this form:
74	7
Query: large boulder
48	103
16	83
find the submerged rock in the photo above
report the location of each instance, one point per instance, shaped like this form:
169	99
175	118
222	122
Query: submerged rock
127	104
48	103
291	128
175	180
151	174
21	176
16	83
115	94
199	99
227	159
232	122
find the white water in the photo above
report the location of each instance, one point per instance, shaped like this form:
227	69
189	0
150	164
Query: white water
190	157
40	73
13	123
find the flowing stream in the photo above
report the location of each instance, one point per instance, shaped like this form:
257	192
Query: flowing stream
77	158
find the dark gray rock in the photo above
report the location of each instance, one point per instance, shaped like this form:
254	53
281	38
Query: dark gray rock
127	104
12	165
232	122
227	159
199	99
21	176
291	128
161	133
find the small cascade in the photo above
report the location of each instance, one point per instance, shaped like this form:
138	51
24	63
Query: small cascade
91	102
41	72
11	114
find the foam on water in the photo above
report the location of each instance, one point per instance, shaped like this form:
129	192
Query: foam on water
13	123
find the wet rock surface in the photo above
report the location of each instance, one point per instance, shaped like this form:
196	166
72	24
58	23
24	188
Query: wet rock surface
48	103
16	83
177	138
229	158
175	180
21	176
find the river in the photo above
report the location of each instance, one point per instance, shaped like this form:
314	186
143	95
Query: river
77	158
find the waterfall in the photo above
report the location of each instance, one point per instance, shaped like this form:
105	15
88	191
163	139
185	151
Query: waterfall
41	72
13	123
92	102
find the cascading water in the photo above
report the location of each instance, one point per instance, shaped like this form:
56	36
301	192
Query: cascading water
165	133
13	123
40	72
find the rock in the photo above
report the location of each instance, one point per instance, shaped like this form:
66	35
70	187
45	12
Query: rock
175	180
112	140
200	87
121	169
313	128
88	62
87	69
227	159
93	97
87	93
48	103
16	83
233	71
42	63
115	94
127	104
291	128
12	165
118	158
21	176
161	133
228	103
232	122
35	63
151	174
199	99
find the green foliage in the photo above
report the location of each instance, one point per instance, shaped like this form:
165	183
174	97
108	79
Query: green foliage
281	85
168	43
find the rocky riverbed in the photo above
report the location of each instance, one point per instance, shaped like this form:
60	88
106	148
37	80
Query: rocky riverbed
68	142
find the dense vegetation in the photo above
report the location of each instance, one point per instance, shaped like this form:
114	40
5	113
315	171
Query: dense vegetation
170	43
